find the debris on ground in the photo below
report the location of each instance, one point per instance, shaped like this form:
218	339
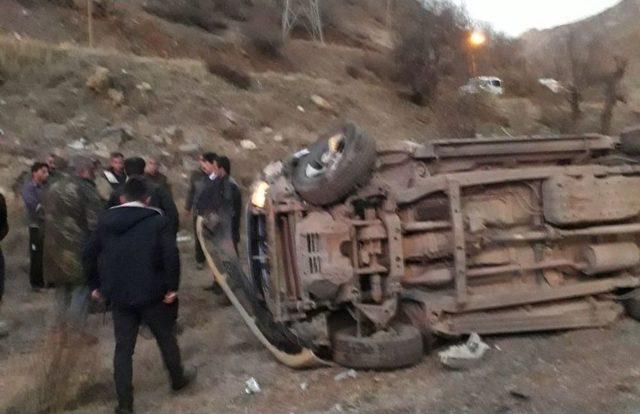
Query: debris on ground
304	386
252	386
248	144
346	374
519	394
466	355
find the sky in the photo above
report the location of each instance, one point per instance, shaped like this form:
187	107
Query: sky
514	17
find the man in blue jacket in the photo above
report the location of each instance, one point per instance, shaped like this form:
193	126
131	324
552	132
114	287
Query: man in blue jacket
132	260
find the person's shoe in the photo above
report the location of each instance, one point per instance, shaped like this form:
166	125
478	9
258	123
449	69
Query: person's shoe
199	266
188	378
122	410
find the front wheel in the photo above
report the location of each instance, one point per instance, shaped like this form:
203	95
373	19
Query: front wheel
334	166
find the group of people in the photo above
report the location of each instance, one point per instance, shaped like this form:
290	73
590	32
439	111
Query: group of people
110	236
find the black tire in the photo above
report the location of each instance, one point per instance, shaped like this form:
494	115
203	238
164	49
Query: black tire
352	170
400	347
632	304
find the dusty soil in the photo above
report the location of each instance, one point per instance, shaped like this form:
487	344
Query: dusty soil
45	105
587	371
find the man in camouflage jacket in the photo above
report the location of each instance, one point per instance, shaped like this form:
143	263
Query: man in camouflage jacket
71	208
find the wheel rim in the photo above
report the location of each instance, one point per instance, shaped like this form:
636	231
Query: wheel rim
327	160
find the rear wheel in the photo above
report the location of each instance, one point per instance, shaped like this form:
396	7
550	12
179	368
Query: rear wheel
399	346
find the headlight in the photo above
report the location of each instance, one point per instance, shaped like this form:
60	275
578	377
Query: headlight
259	196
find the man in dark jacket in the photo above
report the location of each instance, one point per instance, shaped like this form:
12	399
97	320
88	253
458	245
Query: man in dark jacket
4	229
160	197
132	261
115	174
152	172
222	198
197	183
32	196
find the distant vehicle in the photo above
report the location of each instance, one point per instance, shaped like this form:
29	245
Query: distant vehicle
479	84
552	84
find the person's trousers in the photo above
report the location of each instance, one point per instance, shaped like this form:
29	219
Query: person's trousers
35	255
72	306
2	270
160	318
198	247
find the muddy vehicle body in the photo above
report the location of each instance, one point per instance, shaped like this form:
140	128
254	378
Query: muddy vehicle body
364	255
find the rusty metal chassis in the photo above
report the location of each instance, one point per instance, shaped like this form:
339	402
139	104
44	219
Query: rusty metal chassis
562	308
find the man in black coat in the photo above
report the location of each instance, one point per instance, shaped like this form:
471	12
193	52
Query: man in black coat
161	198
222	198
198	181
132	261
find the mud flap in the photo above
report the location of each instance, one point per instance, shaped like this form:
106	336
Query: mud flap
228	273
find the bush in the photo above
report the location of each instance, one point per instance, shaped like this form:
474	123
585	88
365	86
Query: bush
198	13
236	77
263	32
233	9
460	116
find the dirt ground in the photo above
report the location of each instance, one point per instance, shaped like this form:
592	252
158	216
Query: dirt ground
586	371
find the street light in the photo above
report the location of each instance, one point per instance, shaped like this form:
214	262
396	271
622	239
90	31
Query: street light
476	40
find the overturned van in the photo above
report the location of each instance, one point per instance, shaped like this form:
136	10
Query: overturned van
364	255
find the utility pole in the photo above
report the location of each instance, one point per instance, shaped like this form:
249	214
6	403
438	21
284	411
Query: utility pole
306	12
90	21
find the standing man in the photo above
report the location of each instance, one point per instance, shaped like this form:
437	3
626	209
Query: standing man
71	206
132	260
4	230
115	174
152	172
32	197
197	183
160	197
223	199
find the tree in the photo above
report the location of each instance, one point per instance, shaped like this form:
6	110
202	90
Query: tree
612	93
431	43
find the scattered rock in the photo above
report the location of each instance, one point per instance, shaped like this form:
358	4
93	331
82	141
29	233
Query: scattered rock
466	355
346	374
248	144
252	386
99	81
304	386
321	103
267	130
116	136
300	108
144	86
116	97
174	132
278	138
189	148
78	144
